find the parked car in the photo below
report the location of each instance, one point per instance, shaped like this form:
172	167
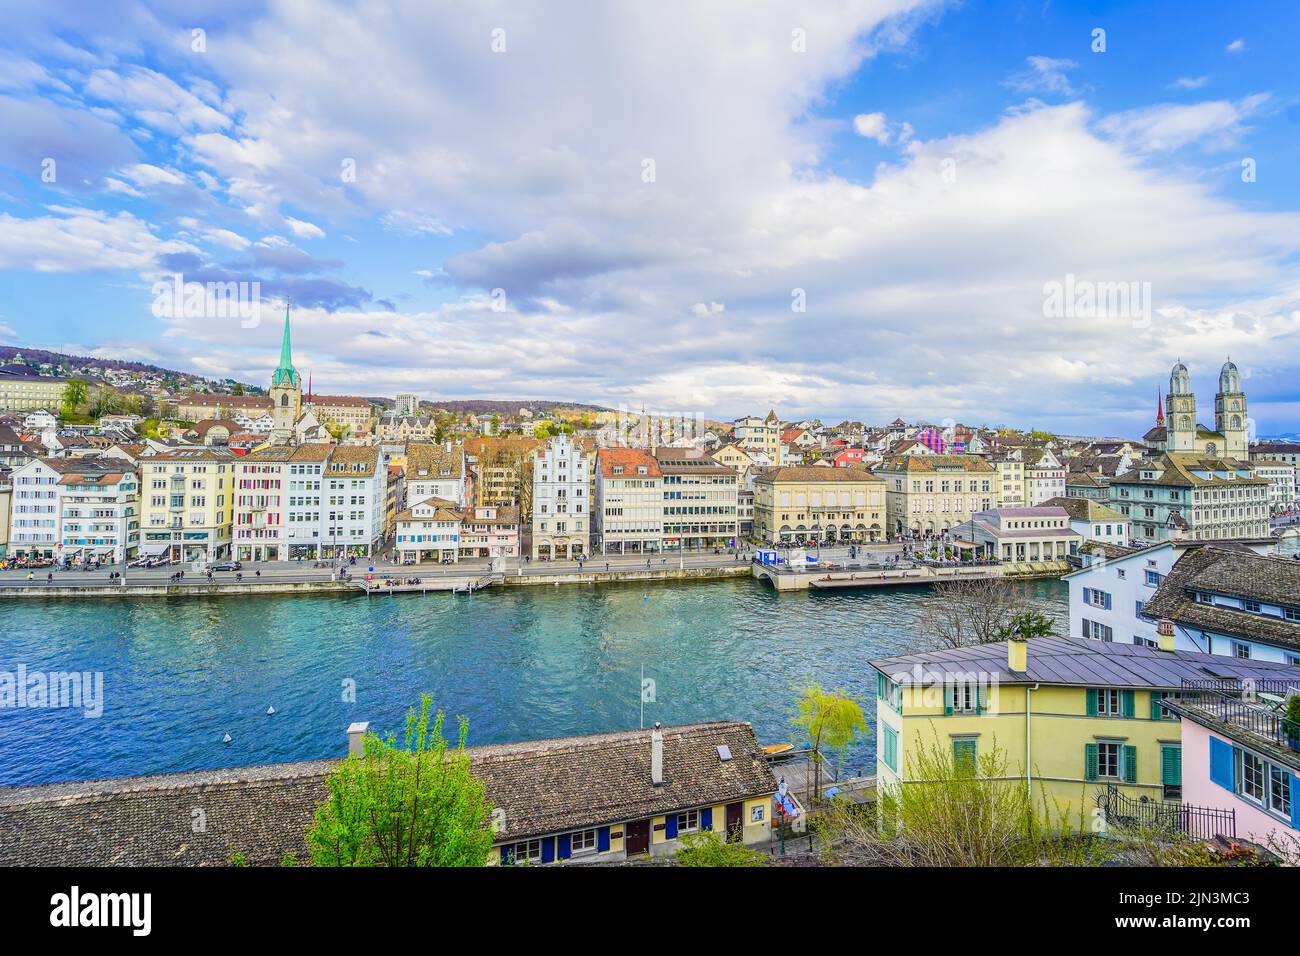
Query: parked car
226	566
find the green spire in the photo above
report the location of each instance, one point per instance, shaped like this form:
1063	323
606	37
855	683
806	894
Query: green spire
285	374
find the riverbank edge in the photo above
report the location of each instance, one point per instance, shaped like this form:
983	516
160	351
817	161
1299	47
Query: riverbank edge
231	589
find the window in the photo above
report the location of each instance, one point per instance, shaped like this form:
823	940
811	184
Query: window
964	752
530	851
1108	760
584	841
1241	650
1252	777
1171	771
1153	579
891	692
889	747
1108	702
688	822
1279	791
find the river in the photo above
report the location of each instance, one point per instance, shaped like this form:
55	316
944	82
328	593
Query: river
520	663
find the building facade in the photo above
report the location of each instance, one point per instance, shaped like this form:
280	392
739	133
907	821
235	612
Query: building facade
186	503
807	503
561	521
700	501
629	511
932	494
1192	496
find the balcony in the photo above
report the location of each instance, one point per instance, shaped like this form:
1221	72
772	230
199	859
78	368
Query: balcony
1257	712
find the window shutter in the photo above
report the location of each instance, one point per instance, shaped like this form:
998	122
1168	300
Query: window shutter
1130	764
1156	712
949	699
1106	597
602	840
1089	761
1087	595
548	850
564	849
1126	703
505	856
1092	702
706	818
1221	763
671	821
1087	628
981	699
1295	802
1171	766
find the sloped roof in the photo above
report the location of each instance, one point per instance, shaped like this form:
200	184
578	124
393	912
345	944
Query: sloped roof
1078	661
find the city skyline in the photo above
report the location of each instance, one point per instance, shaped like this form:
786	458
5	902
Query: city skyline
916	176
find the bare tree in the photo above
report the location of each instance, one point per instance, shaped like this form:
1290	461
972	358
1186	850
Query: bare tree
967	612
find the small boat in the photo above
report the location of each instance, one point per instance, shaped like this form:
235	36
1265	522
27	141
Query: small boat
775	750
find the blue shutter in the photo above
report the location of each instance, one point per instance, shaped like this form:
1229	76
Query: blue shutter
505	856
672	826
564	849
1295	802
548	850
1221	763
706	818
602	840
1106	598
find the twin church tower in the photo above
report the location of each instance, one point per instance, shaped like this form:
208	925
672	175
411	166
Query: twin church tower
1230	438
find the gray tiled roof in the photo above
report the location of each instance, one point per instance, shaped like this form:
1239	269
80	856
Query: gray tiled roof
1083	662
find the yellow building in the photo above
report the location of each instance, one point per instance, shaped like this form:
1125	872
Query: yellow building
186	503
932	494
22	390
1071	716
807	503
1010	483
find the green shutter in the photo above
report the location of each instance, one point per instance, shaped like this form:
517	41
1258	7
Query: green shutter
1130	768
1090	761
981	699
949	699
1171	766
1157	713
1126	703
1092	702
964	755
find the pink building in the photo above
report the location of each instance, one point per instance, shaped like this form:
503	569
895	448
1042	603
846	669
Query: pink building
1236	756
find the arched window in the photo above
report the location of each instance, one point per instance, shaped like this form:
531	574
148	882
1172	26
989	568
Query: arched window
284	399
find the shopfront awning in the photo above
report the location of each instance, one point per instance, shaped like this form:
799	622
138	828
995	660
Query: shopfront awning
151	549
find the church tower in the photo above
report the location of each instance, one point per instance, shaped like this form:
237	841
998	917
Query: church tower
1230	413
286	392
1181	433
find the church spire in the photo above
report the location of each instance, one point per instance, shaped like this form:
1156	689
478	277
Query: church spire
285	374
1160	409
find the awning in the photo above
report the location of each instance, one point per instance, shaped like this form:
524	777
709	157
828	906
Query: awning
151	549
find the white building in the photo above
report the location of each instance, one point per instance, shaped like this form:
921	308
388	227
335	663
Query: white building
429	530
99	512
562	476
629	512
354	491
435	471
1282	484
34	508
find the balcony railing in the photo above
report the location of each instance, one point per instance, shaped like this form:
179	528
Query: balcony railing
1255	708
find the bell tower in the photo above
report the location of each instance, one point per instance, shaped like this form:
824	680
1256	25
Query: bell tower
285	392
1230	413
1181	430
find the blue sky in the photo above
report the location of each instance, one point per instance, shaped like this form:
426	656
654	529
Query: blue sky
915	173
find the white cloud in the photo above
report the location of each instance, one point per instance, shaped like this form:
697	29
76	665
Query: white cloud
408	223
1216	124
304	230
144	174
1189	82
155	99
1236	46
1044	75
872	126
76	239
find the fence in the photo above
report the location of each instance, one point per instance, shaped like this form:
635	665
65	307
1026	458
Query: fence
1200	823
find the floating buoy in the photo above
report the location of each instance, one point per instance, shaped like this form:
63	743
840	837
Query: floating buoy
226	739
270	711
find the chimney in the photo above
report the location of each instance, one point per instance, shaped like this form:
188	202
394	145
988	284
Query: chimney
356	736
656	756
1017	655
1165	633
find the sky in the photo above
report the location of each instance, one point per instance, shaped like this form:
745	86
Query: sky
845	209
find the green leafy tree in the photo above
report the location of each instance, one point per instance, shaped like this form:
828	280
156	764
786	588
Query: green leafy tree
411	805
706	848
238	389
75	394
831	720
1025	625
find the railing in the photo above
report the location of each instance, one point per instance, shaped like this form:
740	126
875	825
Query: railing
1200	823
1236	704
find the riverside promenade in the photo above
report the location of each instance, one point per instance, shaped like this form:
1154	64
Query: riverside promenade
280	578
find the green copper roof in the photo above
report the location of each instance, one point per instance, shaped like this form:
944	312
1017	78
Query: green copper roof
285	374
